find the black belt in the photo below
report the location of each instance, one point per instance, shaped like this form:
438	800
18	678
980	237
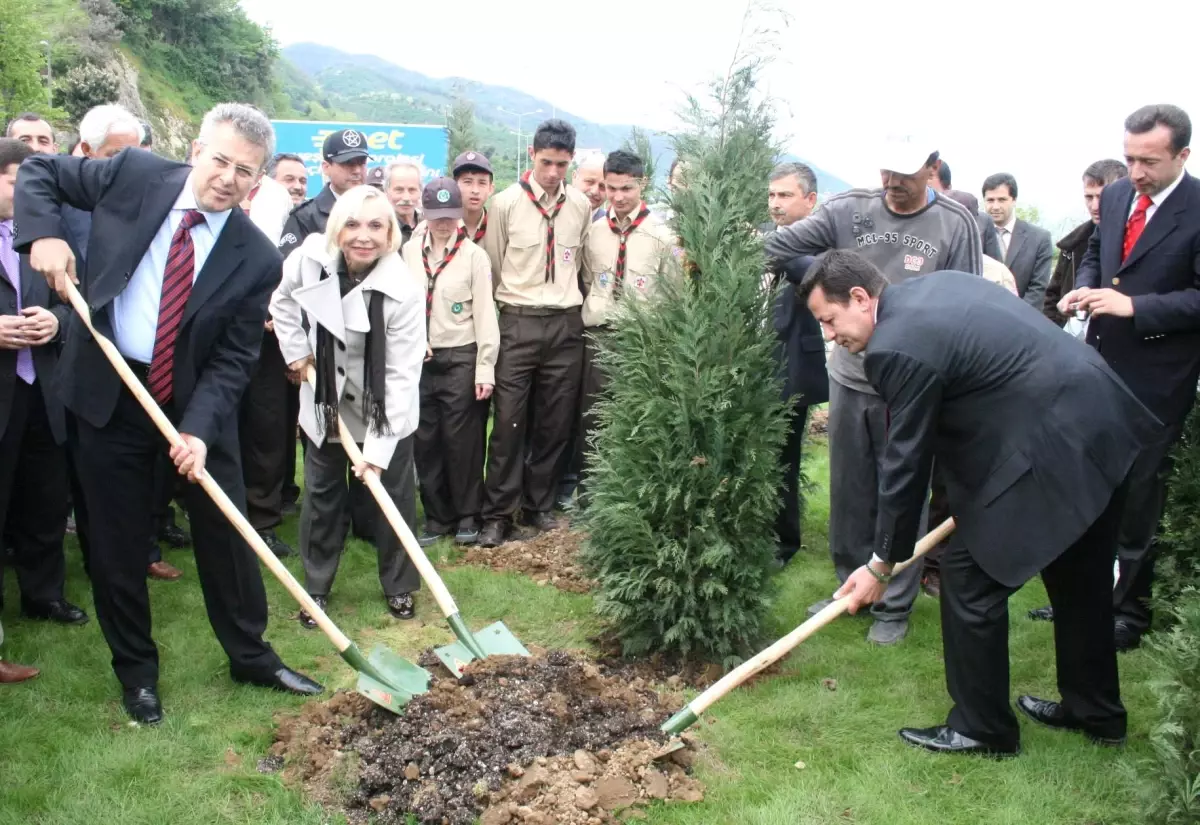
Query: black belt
536	312
142	371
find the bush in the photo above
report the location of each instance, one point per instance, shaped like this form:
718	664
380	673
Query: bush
87	86
1178	564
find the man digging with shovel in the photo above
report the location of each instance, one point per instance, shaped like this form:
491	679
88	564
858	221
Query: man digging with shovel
966	371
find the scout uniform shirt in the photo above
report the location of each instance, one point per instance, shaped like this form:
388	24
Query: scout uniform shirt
520	243
649	255
462	311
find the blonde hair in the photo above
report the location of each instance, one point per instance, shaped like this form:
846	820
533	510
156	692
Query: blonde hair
350	205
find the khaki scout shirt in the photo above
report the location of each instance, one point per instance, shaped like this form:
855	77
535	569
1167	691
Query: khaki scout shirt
520	244
463	311
650	254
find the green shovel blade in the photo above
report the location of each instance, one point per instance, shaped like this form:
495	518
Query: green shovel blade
401	680
495	640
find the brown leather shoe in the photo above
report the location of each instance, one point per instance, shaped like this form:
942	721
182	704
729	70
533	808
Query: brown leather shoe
11	673
163	572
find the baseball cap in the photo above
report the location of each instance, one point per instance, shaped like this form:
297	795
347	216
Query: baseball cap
441	199
904	154
472	160
375	176
344	145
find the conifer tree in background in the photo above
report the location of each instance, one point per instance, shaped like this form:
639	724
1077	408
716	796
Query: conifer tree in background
685	472
638	142
460	129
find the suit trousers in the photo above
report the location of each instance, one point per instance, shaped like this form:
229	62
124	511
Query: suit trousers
542	354
450	441
291	490
33	496
78	503
857	438
975	636
116	469
323	526
594	381
788	525
1139	524
262	425
939	511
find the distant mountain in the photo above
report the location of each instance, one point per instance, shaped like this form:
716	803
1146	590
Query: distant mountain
376	90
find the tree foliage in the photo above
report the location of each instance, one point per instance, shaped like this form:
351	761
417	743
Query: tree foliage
85	86
460	128
638	142
22	60
1177	566
684	472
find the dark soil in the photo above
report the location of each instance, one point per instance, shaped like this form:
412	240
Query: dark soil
548	558
818	422
554	739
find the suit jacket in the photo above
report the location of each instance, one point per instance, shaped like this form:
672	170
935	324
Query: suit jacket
1157	351
800	355
35	292
1030	253
129	196
1033	432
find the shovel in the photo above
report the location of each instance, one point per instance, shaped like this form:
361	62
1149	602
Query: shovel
690	714
384	678
495	639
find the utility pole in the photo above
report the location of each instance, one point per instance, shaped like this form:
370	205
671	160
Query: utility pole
520	153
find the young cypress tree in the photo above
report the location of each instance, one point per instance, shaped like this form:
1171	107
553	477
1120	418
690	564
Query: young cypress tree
1177	566
684	467
460	129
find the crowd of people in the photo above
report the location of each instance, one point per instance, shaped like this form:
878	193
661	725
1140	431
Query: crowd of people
406	314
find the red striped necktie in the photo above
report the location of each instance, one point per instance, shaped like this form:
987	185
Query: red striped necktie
549	216
1135	225
431	274
623	235
176	287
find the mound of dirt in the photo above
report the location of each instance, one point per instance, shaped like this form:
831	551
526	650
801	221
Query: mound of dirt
818	422
553	738
548	558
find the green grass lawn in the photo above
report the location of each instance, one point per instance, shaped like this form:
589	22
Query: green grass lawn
69	757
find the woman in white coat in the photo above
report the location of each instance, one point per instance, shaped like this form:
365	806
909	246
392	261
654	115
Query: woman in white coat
365	339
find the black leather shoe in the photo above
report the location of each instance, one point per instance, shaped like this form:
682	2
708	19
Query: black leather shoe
307	621
943	739
1053	715
60	610
142	705
401	606
543	522
275	544
174	536
494	533
1042	614
1125	635
285	679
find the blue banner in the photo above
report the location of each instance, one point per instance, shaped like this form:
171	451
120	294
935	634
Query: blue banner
387	142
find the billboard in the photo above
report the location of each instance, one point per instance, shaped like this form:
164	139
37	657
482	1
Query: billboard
385	141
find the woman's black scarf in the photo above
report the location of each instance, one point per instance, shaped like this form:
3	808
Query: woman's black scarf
374	407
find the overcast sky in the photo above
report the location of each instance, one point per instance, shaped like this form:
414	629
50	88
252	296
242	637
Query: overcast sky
1028	86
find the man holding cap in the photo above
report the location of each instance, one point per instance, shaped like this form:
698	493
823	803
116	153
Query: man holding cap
905	229
459	373
473	173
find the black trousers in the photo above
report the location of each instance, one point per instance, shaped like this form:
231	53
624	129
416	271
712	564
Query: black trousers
450	441
116	468
33	497
791	498
939	511
975	636
78	503
291	490
262	425
542	354
1139	525
592	385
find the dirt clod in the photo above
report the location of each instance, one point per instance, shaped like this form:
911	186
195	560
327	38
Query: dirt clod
548	558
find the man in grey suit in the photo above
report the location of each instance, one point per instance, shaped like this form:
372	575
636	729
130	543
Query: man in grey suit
1028	251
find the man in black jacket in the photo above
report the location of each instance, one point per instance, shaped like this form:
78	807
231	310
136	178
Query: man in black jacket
178	278
1034	435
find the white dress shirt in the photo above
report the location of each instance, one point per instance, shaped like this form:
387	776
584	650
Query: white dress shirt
1155	200
135	309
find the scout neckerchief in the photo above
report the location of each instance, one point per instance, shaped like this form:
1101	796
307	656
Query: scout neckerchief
549	216
480	230
623	235
431	274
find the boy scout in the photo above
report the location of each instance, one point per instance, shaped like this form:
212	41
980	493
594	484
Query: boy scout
459	372
541	224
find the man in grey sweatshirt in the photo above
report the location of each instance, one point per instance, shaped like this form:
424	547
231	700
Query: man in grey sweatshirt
906	229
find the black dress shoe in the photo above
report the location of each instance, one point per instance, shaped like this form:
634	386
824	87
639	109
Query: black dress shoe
307	621
1125	635
285	679
59	610
275	544
174	536
944	739
494	533
1042	614
543	522
142	705
1054	715
401	606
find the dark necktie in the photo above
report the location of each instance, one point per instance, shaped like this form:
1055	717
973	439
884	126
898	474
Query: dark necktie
480	230
176	287
623	235
1135	225
549	216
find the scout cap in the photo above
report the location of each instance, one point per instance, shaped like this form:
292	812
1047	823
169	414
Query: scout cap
376	176
344	145
903	154
441	199
472	160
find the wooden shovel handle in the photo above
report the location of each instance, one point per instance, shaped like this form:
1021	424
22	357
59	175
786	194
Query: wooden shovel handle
780	648
429	574
211	487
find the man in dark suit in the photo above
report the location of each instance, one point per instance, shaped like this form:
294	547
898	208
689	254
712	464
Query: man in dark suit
1034	435
178	278
1028	251
1139	281
33	464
